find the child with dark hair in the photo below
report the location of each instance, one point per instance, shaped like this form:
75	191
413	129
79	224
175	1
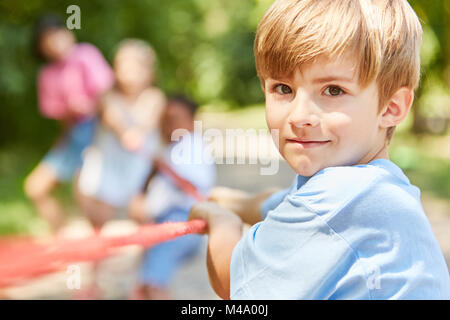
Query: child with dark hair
163	201
69	86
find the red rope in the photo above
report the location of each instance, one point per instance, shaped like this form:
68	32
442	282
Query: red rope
25	258
180	182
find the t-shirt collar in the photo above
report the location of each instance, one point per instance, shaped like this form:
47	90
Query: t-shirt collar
381	163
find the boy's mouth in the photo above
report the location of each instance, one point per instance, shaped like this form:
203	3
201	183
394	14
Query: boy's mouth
305	143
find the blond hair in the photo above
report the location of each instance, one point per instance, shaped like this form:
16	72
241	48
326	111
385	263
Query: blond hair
384	36
142	47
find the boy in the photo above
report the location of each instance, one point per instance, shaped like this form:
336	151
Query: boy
69	87
338	76
119	158
164	201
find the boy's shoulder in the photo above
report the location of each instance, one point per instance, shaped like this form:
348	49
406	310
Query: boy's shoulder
84	48
371	186
89	56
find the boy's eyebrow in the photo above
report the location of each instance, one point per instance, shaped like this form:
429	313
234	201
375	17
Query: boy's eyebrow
332	78
317	80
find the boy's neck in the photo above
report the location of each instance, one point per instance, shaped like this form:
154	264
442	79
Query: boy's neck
132	94
380	153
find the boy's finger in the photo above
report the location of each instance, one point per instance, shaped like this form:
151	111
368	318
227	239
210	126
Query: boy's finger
195	214
200	210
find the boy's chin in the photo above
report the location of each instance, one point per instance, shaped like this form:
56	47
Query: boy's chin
305	167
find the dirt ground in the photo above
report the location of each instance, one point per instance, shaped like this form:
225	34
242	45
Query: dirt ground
117	275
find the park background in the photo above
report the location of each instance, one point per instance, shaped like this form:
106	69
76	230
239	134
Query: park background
205	49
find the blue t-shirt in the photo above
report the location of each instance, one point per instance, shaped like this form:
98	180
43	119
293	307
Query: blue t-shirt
351	232
191	159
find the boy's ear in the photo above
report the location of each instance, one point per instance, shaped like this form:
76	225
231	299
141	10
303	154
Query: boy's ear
397	108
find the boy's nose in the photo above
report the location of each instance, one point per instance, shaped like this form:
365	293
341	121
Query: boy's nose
302	114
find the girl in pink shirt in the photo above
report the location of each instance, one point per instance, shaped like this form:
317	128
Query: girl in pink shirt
69	87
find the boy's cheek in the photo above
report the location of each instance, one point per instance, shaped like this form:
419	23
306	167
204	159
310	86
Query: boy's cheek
339	126
275	117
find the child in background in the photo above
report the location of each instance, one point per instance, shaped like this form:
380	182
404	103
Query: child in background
68	91
351	226
119	159
163	201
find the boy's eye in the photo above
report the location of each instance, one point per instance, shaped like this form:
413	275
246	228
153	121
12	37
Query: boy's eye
333	91
283	89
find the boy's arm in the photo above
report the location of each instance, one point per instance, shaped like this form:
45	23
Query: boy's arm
109	115
247	206
51	105
151	111
225	230
132	137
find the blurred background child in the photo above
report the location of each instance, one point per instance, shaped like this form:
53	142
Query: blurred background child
68	90
186	154
118	161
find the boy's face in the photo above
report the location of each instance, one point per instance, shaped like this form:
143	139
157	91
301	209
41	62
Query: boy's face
133	72
175	116
55	43
324	117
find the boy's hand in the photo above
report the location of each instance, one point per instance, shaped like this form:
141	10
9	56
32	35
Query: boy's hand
232	199
247	206
132	139
224	231
136	209
214	215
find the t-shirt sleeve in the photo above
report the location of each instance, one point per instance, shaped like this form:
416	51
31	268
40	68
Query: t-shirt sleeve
98	74
275	199
293	254
50	103
272	202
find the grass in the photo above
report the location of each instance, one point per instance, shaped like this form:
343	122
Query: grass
17	215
